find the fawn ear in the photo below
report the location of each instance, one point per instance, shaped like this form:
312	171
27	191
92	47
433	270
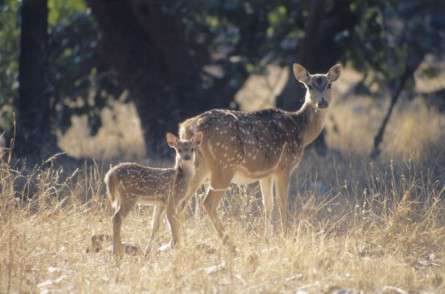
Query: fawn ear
197	139
301	74
334	72
172	140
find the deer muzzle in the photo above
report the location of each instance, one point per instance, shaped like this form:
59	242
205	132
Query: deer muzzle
323	103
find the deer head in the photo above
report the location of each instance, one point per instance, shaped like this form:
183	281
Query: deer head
318	86
185	149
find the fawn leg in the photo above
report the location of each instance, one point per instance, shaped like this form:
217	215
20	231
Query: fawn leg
174	224
116	219
266	185
158	213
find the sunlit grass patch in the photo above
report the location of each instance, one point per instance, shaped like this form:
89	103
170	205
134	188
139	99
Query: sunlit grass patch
384	227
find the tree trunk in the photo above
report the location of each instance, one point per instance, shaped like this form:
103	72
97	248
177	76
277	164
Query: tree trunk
34	137
318	52
146	46
411	66
142	51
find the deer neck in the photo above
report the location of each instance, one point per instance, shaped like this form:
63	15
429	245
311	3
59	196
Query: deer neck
310	120
183	175
184	171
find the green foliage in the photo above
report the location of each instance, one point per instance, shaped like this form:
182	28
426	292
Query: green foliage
276	17
9	38
73	63
233	35
395	36
72	56
81	85
62	10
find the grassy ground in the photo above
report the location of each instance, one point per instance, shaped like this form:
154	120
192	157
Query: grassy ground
376	227
348	230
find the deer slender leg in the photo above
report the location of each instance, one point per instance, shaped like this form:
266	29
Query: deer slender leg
174	223
158	213
211	204
121	210
282	185
266	185
218	184
116	219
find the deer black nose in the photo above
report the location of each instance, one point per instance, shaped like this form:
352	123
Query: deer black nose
323	103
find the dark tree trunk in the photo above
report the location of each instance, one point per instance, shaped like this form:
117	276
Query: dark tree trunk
318	51
131	53
412	63
34	137
379	136
146	46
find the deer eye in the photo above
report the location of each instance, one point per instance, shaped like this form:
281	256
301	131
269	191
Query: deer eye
310	87
329	86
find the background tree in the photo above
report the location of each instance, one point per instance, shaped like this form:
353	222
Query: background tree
34	136
400	49
177	58
9	63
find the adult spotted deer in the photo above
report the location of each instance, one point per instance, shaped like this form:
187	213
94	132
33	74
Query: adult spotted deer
131	183
264	146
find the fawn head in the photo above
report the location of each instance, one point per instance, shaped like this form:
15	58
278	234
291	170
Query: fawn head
185	149
318	86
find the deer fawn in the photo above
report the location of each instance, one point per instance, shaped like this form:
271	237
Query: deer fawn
131	183
264	146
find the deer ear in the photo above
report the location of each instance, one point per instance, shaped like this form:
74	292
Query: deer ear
197	139
172	140
301	74
334	72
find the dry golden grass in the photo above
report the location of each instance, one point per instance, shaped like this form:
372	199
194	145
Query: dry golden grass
121	135
375	227
411	132
354	224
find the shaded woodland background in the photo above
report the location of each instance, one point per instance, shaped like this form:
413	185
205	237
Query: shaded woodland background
60	60
103	80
